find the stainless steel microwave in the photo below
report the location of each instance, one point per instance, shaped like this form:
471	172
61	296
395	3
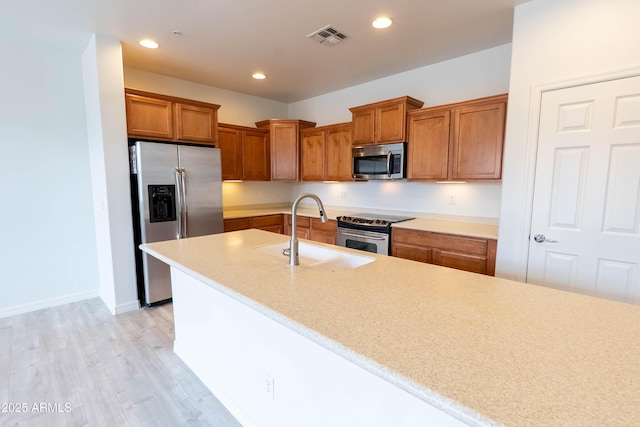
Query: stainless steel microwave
381	161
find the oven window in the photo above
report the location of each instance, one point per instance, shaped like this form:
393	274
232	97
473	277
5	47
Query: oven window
363	246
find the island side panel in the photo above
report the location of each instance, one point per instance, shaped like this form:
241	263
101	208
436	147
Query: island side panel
268	375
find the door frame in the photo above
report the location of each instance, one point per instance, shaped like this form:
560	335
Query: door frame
535	107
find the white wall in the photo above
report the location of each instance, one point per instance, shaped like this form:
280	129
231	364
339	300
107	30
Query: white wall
245	193
481	200
236	108
471	76
109	159
48	246
553	43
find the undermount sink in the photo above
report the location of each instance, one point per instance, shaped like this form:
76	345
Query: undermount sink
318	256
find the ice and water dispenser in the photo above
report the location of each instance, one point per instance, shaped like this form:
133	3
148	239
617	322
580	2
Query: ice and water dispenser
162	203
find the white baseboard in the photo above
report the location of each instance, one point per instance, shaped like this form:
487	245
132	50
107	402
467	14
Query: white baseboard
52	302
129	306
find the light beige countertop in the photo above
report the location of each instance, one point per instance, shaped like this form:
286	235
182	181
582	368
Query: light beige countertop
486	231
493	350
482	227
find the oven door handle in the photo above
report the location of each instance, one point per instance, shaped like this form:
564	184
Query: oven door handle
389	157
360	236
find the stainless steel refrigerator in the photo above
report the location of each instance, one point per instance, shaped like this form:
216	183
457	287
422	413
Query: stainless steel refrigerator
176	193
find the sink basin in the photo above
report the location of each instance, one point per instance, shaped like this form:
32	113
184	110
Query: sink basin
318	256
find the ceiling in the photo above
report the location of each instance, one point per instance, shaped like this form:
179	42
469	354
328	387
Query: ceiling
223	42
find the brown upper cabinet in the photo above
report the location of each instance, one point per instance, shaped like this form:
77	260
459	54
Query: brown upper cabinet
312	154
151	115
461	141
382	122
244	153
284	142
325	153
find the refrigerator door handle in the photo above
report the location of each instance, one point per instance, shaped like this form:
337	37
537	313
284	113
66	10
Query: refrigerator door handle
180	203
185	207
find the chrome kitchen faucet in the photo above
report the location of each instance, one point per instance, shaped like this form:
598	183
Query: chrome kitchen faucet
293	244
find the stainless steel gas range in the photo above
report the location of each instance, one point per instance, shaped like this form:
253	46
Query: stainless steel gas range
367	232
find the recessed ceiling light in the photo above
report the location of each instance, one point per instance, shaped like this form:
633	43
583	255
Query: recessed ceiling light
382	22
258	76
148	43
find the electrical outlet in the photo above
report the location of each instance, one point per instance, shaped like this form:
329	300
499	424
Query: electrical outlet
269	386
343	195
452	199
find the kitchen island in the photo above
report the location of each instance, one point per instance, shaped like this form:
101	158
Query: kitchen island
394	342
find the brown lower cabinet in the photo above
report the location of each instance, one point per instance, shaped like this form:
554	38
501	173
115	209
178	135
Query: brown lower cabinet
323	232
306	227
273	223
474	254
313	229
303	226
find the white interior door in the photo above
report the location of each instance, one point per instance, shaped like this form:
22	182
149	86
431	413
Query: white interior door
587	191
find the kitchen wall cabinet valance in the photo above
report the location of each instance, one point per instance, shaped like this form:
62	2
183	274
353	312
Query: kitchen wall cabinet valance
382	122
164	117
473	254
244	153
325	153
284	143
461	141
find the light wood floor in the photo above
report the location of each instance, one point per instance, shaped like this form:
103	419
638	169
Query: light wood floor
77	365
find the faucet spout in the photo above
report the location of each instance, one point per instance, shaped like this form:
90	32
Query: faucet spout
293	244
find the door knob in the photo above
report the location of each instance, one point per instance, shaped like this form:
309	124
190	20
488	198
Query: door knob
539	238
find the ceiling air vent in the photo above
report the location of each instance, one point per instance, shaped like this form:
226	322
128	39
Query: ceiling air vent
327	36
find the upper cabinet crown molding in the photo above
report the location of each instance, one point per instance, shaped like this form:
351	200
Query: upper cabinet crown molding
284	142
382	122
151	115
461	141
